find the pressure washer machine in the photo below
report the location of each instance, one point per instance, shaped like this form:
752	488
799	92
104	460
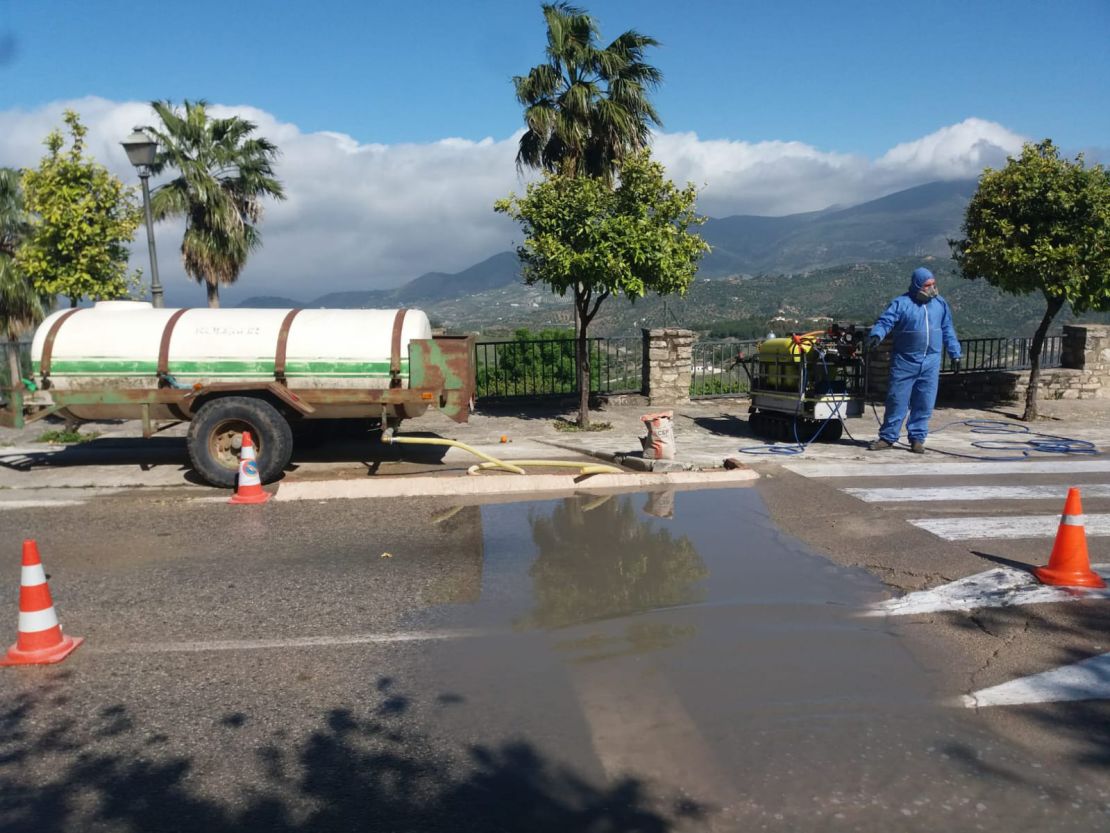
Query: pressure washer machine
805	384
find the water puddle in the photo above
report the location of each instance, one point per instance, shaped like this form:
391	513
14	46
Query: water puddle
684	638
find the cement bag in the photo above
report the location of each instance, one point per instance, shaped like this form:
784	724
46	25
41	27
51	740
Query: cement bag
659	442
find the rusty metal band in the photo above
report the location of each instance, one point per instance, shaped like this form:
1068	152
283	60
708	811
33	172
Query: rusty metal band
164	347
395	349
48	345
282	344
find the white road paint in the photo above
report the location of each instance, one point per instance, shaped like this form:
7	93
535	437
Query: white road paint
971	493
1085	680
1006	526
294	642
1000	587
37	504
1048	466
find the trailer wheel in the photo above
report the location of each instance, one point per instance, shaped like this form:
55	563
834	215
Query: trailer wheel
216	432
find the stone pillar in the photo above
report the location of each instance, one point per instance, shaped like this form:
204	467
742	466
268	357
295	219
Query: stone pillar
1086	347
668	360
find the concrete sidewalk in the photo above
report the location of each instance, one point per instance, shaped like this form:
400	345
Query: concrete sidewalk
707	432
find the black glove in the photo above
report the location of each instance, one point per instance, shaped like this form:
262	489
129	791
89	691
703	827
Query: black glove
873	342
955	365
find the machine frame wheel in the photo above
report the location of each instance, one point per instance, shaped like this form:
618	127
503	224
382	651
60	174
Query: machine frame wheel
215	436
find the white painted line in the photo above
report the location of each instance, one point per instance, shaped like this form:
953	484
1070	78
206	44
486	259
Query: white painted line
1085	680
37	504
465	485
295	642
1006	526
23	451
1000	587
970	493
1049	466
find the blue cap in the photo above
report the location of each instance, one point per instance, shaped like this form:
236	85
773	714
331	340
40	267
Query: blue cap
919	277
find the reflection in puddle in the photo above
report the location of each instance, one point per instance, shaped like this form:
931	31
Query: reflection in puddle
607	562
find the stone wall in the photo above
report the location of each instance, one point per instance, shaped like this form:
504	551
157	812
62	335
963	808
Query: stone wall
668	359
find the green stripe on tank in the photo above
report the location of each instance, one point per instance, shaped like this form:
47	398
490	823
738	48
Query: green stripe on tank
217	367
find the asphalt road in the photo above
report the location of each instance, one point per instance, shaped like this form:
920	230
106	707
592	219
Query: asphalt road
668	661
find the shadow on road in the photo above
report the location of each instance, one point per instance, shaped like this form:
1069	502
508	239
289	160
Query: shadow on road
171	451
352	772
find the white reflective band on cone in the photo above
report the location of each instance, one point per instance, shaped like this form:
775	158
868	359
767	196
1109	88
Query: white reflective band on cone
37	620
1073	520
32	576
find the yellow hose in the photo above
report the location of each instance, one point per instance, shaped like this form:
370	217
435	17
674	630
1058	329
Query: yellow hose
584	468
389	438
493	463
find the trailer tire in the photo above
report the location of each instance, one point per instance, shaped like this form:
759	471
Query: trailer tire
217	425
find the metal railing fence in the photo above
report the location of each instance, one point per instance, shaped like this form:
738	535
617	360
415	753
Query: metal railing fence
716	368
546	367
1005	353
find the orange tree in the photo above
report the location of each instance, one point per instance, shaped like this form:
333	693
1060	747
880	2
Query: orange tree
585	236
1041	224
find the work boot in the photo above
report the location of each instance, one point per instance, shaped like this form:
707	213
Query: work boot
917	447
879	445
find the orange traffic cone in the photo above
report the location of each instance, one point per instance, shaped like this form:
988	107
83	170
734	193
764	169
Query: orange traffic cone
250	484
40	639
1069	564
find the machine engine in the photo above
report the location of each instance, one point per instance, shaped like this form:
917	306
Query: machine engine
805	384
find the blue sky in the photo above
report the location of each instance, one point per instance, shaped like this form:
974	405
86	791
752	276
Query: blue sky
854	77
397	123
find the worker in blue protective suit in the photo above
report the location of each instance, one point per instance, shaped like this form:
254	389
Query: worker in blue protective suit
921	324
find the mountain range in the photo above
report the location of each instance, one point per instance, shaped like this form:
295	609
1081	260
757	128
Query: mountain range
914	222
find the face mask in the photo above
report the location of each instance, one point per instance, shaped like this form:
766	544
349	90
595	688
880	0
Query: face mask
927	293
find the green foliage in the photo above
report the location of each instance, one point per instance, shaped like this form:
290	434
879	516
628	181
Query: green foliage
525	366
20	306
85	219
587	107
223	174
1041	224
572	427
585	236
718	384
66	437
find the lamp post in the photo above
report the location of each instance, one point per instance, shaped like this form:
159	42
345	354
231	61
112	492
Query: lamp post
140	151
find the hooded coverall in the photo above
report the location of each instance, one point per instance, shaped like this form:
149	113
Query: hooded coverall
920	330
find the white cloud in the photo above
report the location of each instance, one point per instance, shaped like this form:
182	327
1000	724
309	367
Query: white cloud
368	215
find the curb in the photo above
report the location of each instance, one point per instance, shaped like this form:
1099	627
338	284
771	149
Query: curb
486	485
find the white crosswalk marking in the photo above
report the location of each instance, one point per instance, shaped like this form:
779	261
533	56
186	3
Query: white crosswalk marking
948	469
1006	526
1086	680
1000	587
963	494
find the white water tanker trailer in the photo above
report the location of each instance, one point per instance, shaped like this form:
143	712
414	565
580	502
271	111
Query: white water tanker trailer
229	370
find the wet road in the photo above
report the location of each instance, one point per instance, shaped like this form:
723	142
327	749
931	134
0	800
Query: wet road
614	663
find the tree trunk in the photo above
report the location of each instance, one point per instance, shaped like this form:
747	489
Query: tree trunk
14	370
1054	306
582	351
213	294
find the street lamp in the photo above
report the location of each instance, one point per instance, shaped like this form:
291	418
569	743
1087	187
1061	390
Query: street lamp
140	151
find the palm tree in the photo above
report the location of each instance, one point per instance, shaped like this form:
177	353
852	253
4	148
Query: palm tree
586	108
223	174
20	305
